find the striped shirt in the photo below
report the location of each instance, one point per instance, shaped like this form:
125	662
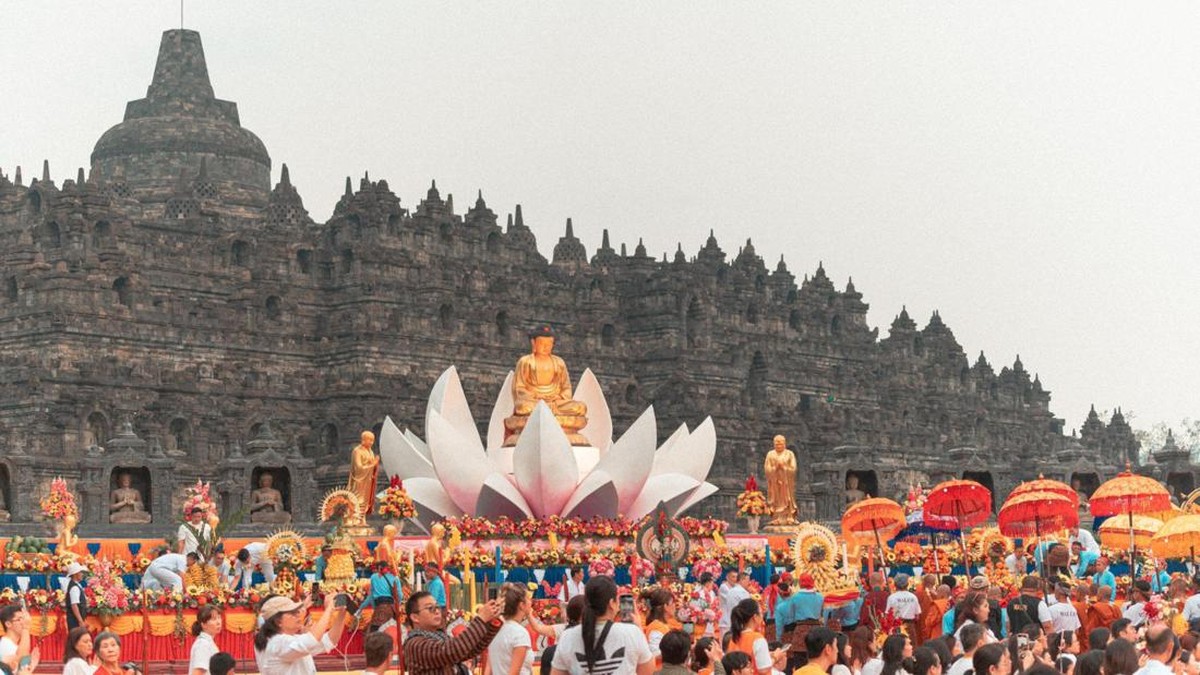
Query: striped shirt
428	654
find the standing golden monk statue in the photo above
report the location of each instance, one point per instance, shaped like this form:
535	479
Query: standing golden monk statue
542	376
780	469
364	468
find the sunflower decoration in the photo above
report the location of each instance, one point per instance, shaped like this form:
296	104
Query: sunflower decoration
341	505
815	554
987	544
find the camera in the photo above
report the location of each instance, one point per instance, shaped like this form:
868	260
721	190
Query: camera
626	607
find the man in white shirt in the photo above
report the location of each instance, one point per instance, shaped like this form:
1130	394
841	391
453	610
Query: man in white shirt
572	586
1017	563
1063	616
1135	611
165	571
731	593
903	603
973	636
1085	539
1162	647
253	555
191	532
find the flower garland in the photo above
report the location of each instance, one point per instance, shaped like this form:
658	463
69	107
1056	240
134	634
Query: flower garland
602	567
572	528
199	496
396	503
59	503
641	569
706	566
751	501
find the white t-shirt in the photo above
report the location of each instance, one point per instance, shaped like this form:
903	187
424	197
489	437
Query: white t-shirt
510	637
960	666
190	542
570	589
988	636
202	650
7	647
873	667
1136	613
1191	608
624	649
1063	617
730	597
78	666
291	654
176	562
905	605
762	654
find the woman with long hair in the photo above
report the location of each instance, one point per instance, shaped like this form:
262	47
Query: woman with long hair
992	660
706	656
660	617
77	655
1062	643
926	662
891	659
108	654
842	666
862	648
511	651
1120	658
973	609
599	641
1090	663
205	629
282	643
745	627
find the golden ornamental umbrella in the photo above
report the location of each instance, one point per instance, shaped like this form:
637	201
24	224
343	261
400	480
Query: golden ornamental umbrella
1037	512
1115	532
1178	538
876	516
1129	493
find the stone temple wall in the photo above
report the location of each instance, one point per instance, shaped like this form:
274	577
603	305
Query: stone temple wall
234	334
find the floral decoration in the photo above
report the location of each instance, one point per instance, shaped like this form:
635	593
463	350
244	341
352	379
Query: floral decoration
396	503
751	501
59	504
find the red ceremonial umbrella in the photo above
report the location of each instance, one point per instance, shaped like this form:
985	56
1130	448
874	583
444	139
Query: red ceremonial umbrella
881	517
1043	484
966	501
1130	494
1032	512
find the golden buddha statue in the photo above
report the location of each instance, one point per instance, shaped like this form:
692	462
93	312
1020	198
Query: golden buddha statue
542	376
364	469
780	470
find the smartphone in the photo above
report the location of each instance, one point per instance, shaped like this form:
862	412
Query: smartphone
626	607
314	589
493	592
1022	641
341	600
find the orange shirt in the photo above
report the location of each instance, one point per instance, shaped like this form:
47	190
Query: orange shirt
745	643
1102	615
931	620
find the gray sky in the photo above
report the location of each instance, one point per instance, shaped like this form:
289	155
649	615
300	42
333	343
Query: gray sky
1027	168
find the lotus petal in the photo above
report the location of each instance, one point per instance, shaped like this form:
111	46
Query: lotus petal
672	488
599	429
544	465
498	498
462	466
448	400
431	500
418	444
691	455
399	457
595	496
629	460
674	438
705	491
502	409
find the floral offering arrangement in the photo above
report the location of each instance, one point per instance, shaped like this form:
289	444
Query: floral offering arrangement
602	567
106	590
396	503
706	565
199	495
700	606
60	503
571	528
641	569
751	501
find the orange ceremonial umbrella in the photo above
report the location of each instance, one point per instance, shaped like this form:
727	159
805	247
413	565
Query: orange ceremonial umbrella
1043	484
881	517
964	501
1130	494
1114	533
1178	537
1033	512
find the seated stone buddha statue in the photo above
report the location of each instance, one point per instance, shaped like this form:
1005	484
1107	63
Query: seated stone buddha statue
542	376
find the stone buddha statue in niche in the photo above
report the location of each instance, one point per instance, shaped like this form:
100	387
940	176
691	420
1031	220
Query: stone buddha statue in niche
126	504
266	503
542	376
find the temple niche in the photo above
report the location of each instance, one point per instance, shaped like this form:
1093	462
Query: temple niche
1180	484
861	484
130	496
984	478
5	495
270	496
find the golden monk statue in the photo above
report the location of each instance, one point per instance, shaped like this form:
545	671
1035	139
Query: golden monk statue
434	551
126	505
780	469
542	376
364	468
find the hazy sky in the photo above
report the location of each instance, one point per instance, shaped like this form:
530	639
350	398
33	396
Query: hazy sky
1029	169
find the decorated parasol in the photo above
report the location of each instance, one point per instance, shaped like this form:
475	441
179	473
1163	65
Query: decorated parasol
1130	494
1115	532
1043	484
877	516
1034	512
1178	537
965	501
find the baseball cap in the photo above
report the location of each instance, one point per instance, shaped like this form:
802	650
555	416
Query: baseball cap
278	605
979	583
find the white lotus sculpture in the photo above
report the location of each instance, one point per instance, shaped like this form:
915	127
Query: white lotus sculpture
453	472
